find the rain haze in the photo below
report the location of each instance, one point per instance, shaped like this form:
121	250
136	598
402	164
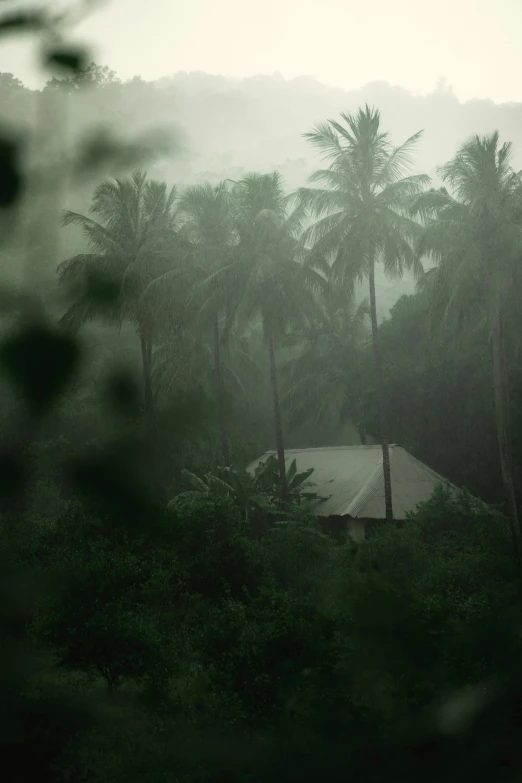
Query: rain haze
261	390
246	80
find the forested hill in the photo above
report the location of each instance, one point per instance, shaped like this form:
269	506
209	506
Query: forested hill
229	127
259	122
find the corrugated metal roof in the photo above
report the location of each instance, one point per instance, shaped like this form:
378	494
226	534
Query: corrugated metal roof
351	477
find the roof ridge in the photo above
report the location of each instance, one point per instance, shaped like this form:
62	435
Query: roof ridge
430	470
357	488
334	448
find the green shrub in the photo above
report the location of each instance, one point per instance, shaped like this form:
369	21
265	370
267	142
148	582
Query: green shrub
431	605
219	558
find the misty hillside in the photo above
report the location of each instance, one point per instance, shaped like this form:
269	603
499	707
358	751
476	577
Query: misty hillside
228	127
259	122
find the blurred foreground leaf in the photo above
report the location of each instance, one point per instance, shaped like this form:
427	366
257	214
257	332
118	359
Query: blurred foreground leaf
102	289
67	59
22	22
102	149
39	362
10	174
123	394
109	481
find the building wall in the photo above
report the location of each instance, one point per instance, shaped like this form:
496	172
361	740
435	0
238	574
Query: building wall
356	529
336	526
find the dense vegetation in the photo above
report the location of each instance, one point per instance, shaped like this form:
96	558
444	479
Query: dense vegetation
165	614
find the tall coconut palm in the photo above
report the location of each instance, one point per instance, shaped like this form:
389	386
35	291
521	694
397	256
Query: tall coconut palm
133	239
320	380
209	227
473	231
266	277
362	220
186	361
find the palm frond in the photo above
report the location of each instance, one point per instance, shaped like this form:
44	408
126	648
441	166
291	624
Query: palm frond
325	139
398	163
133	239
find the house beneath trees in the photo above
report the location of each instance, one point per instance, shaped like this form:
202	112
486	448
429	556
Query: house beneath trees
351	480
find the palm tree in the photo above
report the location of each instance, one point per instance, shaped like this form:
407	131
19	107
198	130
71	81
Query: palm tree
474	235
185	362
133	239
265	276
320	380
209	228
361	219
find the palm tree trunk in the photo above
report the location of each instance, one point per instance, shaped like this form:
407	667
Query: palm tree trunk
381	398
146	360
219	396
505	381
501	414
277	420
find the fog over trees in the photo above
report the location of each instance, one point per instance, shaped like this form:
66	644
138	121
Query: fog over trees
260	428
227	127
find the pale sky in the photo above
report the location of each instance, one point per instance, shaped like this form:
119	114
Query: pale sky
474	44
